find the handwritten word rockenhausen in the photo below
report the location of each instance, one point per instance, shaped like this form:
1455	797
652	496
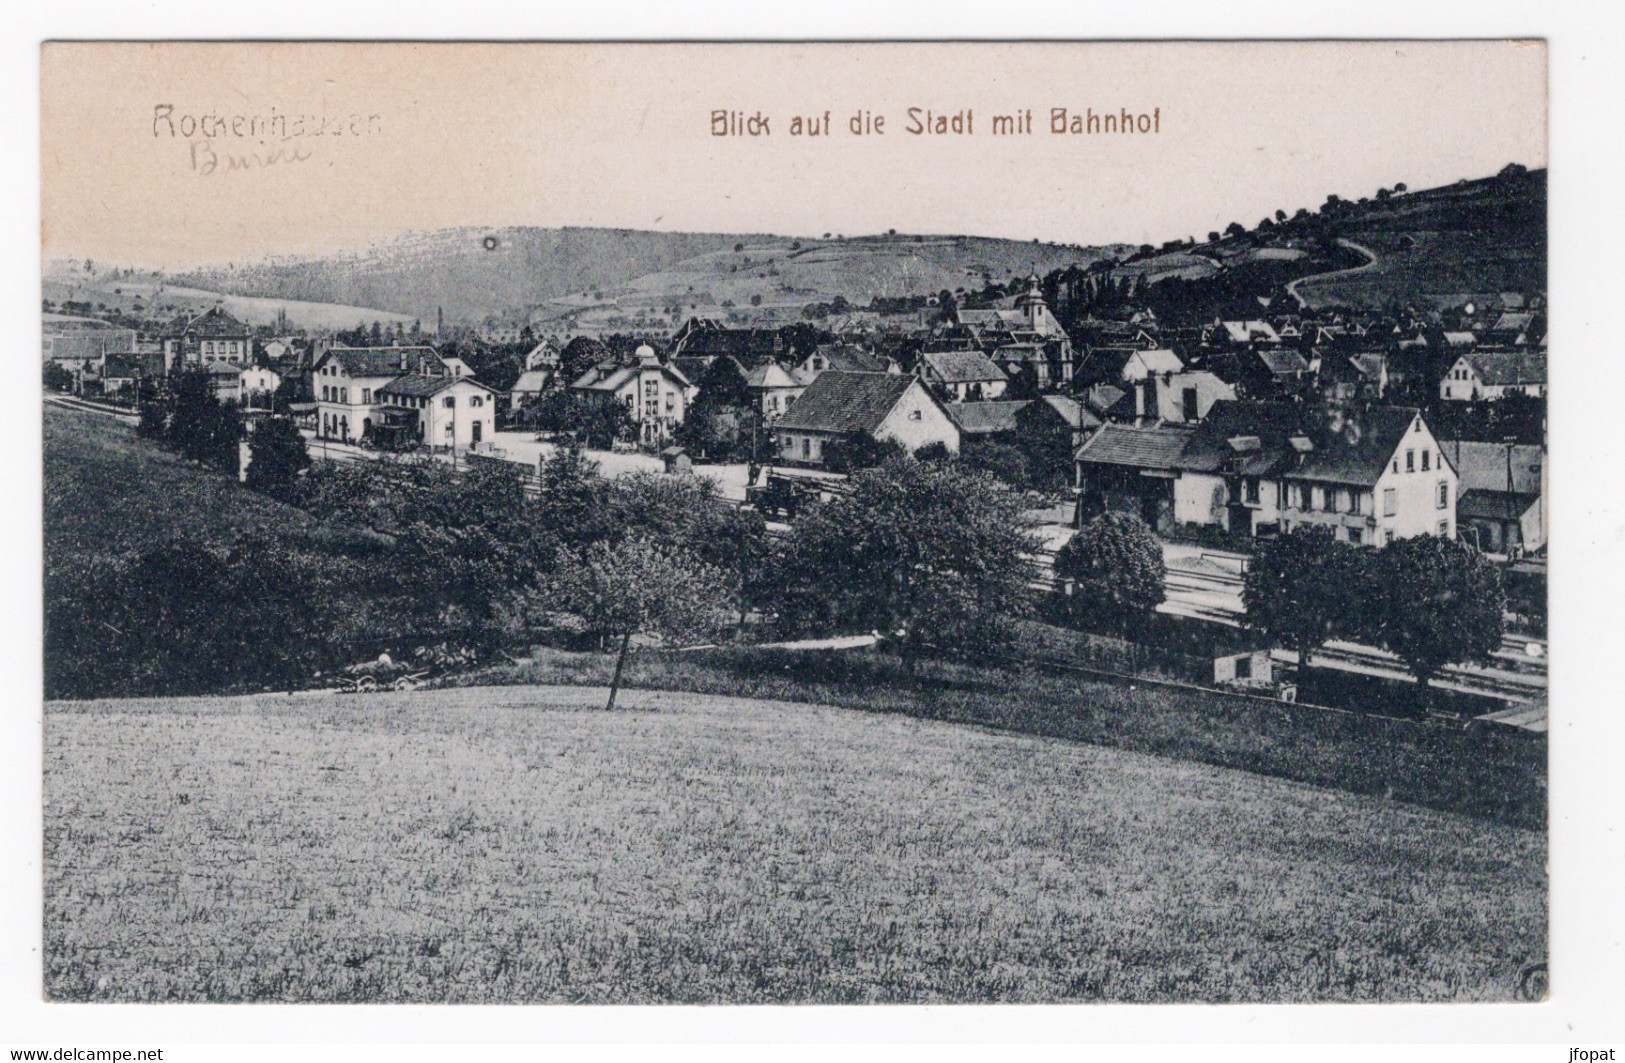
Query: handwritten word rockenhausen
272	125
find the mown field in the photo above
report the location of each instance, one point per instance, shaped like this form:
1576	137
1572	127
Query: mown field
521	845
1485	772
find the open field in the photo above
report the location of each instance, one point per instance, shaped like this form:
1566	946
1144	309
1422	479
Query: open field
519	845
158	299
1485	772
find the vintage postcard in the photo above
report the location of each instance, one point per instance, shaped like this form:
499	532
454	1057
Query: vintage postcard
911	523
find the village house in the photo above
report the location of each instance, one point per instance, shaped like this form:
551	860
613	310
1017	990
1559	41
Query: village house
1025	339
346	382
1181	398
1488	375
772	389
530	386
839	405
985	420
1371	474
1248	333
440	410
1502	509
656	395
962	376
1138	365
842	358
256	384
213	337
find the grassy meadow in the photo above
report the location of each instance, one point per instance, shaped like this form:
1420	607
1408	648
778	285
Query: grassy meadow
1486	772
108	491
518	844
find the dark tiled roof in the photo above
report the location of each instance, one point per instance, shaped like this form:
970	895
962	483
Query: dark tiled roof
846	402
844	358
1494	505
1348	446
1103	397
1487	466
384	361
1508	367
960	367
418	386
985	418
1070	410
1140	448
1281	362
211	323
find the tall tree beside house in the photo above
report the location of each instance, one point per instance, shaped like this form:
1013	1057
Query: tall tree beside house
929	549
1115	568
202	427
580	355
1005	461
1304	587
1433	602
641	587
277	457
57	378
152	411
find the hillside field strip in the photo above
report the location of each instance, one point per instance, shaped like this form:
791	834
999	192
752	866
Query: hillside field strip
518	844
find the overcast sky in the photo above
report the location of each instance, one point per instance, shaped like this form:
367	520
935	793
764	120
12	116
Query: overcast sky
437	136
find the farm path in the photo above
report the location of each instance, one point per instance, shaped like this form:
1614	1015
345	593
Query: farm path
1370	264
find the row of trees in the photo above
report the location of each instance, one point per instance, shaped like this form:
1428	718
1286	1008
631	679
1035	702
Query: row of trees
1430	601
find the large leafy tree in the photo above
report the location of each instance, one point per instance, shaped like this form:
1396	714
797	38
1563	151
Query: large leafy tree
1434	602
640	586
935	551
1303	588
580	355
1115	567
687	513
200	426
277	457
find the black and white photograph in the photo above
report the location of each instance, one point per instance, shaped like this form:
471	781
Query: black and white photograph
796	523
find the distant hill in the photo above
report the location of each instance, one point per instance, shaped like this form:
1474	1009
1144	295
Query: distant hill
1437	247
577	276
1445	246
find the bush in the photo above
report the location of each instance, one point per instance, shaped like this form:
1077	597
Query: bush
1116	570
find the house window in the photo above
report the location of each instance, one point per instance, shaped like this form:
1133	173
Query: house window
1388	506
1410	461
344	395
806	448
1444	494
1244	667
366	396
1444	529
448	431
476	400
1427	456
1249	490
1355	536
915	415
1354	502
1388	537
1330	503
450	402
